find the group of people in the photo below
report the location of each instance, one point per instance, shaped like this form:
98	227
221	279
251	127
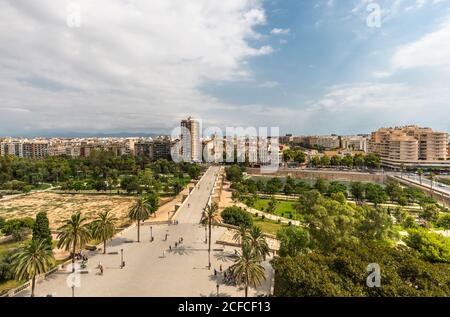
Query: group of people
81	257
179	242
228	277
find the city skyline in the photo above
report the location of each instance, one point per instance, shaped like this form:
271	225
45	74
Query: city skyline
312	67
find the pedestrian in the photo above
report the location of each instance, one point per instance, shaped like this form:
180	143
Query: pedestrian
221	268
176	244
170	248
215	272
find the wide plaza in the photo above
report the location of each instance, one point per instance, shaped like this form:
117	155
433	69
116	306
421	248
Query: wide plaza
151	269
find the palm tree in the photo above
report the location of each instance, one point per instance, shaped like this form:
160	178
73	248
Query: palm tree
74	234
420	173
241	235
432	177
31	261
247	269
210	214
258	243
104	228
140	212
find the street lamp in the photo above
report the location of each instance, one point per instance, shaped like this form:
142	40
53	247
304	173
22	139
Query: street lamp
217	286
151	234
121	258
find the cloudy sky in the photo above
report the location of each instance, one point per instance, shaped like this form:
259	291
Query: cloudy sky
308	67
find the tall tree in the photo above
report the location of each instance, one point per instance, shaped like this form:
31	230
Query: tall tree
104	228
41	229
247	269
31	261
293	241
258	243
74	234
140	212
210	214
420	173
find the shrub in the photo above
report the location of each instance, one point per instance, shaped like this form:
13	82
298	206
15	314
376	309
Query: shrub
237	217
432	247
6	272
15	224
2	223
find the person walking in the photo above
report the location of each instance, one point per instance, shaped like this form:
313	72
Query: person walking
170	248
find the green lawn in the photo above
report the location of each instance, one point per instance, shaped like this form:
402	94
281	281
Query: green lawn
6	286
268	226
6	247
283	208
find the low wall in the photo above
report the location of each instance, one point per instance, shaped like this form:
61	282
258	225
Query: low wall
327	175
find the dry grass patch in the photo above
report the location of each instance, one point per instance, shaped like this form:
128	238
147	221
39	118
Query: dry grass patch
59	207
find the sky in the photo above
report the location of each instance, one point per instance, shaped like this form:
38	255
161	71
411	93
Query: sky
305	66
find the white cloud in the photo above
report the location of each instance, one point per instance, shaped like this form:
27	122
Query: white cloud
269	84
132	64
432	50
382	74
277	31
366	106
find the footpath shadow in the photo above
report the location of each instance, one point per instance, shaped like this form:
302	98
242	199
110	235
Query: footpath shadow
118	241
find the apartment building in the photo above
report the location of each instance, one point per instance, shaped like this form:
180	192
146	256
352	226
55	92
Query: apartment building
153	149
411	146
11	147
323	141
354	143
191	147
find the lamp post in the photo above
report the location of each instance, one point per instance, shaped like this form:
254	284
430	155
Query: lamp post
151	234
217	286
121	258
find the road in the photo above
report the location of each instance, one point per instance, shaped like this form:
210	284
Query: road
151	270
437	186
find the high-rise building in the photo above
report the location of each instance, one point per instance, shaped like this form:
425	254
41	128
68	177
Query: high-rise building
191	145
410	146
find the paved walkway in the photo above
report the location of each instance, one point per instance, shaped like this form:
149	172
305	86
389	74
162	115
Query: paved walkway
151	269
